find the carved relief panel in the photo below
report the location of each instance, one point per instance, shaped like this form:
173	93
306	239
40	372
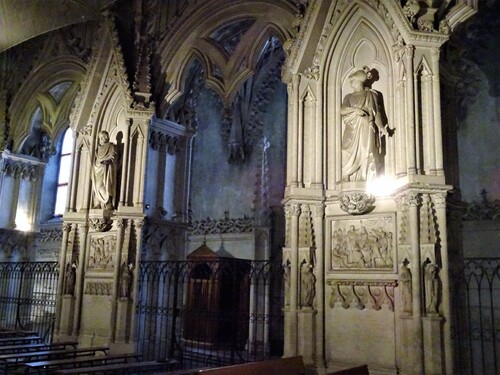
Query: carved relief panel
102	253
362	244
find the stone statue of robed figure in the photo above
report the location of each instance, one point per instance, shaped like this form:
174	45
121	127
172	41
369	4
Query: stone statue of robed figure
104	173
365	122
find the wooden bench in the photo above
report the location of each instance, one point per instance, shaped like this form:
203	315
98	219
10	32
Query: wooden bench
20	340
70	363
360	370
122	368
282	366
23	348
10	361
16	333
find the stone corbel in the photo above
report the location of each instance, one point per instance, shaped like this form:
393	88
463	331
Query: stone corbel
357	202
362	294
100	224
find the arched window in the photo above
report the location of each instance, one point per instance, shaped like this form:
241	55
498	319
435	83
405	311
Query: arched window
64	172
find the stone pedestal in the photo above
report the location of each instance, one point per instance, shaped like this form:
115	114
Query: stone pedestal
409	346
433	342
306	340
124	310
290	343
67	315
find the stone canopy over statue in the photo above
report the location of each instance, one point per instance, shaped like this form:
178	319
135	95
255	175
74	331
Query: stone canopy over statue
104	173
365	123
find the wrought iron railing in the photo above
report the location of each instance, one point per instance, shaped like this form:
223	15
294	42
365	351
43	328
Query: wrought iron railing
210	313
28	296
476	300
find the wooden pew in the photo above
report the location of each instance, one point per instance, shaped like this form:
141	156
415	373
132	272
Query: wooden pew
122	368
282	366
23	348
50	366
16	333
12	361
360	370
20	340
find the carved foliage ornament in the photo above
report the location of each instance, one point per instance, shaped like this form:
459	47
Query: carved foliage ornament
50	235
357	203
100	224
227	225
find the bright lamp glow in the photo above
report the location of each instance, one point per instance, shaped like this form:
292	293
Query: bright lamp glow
22	221
381	186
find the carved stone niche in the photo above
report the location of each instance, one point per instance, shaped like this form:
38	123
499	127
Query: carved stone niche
363	244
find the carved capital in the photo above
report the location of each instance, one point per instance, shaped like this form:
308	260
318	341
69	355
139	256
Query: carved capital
295	209
139	223
121	223
312	72
318	210
439	200
413	199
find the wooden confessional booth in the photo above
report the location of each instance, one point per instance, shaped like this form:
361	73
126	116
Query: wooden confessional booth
216	312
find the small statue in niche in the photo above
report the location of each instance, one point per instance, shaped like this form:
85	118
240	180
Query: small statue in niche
125	280
406	287
69	287
104	173
286	281
307	285
364	119
431	288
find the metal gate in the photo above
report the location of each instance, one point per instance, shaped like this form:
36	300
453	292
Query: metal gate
476	300
28	296
210	313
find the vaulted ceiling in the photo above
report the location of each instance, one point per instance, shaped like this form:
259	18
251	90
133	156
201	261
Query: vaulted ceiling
21	20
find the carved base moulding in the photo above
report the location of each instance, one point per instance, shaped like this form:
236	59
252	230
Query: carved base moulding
361	294
360	245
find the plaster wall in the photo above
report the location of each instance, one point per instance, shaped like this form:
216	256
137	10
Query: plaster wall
478	138
217	186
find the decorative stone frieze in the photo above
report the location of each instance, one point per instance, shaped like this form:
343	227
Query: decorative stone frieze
24	170
484	210
159	140
99	288
362	294
51	235
243	224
